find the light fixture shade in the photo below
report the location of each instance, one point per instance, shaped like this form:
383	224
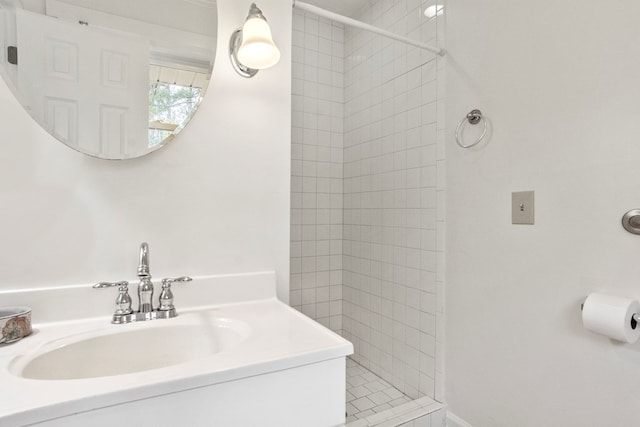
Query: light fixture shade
257	49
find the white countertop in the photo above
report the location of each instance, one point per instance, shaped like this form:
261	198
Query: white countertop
279	338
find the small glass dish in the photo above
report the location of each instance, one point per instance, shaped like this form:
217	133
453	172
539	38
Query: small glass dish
15	323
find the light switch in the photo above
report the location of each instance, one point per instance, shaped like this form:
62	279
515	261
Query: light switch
522	207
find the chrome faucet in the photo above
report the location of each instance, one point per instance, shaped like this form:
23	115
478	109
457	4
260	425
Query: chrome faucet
165	310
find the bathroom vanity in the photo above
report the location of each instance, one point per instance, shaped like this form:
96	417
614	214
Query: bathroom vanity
234	356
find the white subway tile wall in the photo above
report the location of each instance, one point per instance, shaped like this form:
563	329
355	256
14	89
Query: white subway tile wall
317	169
393	198
367	247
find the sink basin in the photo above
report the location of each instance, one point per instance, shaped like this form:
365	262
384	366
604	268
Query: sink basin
126	349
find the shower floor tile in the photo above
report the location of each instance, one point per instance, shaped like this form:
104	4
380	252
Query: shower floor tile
368	394
373	402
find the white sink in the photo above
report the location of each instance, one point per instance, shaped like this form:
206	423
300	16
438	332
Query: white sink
235	355
131	348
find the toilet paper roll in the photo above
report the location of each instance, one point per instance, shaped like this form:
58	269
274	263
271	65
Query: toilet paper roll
611	316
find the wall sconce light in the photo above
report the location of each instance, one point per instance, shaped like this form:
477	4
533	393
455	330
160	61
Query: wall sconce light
251	47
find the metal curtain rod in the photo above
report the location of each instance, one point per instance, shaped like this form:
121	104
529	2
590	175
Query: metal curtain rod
358	24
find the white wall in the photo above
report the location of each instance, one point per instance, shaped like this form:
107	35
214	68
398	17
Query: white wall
214	201
558	81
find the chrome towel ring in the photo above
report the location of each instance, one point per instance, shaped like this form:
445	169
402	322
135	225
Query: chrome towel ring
473	117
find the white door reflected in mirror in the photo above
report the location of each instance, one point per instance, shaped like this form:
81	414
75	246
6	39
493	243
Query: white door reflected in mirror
111	79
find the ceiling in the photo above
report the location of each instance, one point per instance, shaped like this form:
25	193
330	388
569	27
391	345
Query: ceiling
343	7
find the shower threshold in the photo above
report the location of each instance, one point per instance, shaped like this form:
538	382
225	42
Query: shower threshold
372	401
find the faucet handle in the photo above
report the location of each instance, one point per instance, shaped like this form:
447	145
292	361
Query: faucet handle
123	301
166	296
122	283
171	280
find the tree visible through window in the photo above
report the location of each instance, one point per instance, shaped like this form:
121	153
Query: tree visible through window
170	108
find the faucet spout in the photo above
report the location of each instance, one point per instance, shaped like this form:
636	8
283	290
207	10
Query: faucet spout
145	287
143	267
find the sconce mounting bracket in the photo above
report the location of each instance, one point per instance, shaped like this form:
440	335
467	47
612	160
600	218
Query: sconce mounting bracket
234	45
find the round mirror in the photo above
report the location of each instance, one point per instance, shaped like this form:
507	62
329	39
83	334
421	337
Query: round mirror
114	79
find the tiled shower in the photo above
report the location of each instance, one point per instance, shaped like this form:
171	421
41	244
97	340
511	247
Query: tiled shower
317	153
367	196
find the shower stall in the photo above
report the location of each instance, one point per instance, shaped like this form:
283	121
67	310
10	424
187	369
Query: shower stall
367	201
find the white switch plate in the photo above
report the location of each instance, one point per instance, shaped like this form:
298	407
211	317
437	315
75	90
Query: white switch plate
522	207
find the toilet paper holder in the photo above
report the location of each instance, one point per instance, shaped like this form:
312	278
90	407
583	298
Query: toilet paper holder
612	316
635	319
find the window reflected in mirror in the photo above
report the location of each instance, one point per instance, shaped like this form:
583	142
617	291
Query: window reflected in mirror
174	97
